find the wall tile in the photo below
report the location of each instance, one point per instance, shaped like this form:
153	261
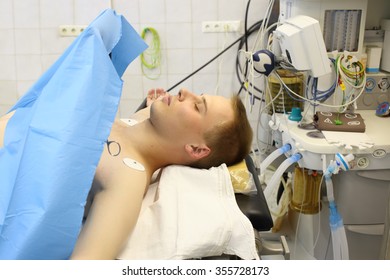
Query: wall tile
175	79
4	108
55	13
52	43
228	61
87	10
7	67
204	10
148	84
203	56
24	86
204	83
179	36
152	11
7	42
28	67
179	61
203	40
6	14
128	8
178	10
231	10
127	107
228	85
27	41
8	92
132	87
26	13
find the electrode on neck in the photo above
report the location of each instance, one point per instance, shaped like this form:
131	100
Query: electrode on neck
130	122
133	164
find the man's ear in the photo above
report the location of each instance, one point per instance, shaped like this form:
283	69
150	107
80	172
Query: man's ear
197	151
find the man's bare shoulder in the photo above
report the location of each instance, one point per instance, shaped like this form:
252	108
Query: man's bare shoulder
129	178
120	172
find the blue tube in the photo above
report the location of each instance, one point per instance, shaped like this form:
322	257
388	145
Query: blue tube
339	239
273	183
335	219
278	152
268	160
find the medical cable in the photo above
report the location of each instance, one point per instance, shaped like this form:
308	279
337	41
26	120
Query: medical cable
248	73
355	79
261	111
151	57
216	91
261	31
259	121
251	29
207	63
244	42
243	82
316	102
259	44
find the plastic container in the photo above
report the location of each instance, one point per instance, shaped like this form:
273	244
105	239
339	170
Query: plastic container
306	191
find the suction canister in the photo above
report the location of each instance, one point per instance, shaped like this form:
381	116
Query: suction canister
306	191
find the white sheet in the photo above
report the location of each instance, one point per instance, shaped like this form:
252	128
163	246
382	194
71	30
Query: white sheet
191	213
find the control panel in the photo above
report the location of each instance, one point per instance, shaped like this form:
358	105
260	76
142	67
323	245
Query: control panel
376	91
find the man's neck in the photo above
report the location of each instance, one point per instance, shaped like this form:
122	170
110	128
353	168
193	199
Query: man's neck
156	151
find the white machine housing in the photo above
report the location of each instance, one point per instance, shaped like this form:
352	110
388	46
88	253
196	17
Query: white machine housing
317	9
300	42
362	193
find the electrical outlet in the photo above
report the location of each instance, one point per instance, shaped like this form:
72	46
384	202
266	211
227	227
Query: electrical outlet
221	26
70	30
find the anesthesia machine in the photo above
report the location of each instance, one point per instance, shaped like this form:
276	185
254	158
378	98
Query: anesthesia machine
332	145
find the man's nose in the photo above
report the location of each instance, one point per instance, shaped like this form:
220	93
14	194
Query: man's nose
185	93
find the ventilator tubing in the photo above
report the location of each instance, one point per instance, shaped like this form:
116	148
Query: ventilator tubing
329	182
268	160
339	238
274	182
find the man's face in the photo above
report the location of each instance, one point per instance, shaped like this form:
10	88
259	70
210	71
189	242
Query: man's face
186	116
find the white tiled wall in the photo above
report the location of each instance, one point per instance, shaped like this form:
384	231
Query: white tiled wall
30	43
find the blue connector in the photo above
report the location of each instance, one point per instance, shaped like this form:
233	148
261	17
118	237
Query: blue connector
296	157
285	148
335	220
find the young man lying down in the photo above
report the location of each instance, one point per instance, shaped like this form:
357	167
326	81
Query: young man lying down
184	129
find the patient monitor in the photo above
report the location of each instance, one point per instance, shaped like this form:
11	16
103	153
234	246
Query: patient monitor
299	42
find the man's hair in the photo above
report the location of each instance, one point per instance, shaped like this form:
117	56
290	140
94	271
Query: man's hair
229	141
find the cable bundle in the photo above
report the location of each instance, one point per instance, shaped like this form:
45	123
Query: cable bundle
151	58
